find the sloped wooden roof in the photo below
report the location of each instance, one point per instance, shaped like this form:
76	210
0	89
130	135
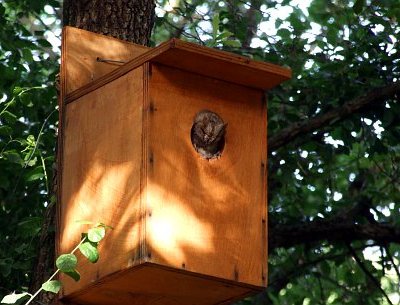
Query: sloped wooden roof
219	64
197	59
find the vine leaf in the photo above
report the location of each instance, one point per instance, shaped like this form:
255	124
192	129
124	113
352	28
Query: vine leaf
89	250
52	286
74	274
14	297
96	234
66	262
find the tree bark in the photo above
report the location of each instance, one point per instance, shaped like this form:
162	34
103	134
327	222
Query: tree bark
252	22
130	20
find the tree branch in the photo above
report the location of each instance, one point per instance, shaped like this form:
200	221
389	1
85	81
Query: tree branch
367	273
395	267
330	229
298	129
252	22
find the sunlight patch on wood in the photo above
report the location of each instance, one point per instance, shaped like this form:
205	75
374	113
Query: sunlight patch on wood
174	227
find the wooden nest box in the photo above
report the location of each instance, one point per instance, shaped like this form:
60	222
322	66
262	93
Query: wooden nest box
189	228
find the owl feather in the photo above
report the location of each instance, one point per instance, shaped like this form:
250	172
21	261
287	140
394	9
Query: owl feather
208	134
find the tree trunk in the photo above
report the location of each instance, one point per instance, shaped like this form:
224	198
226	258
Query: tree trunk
130	20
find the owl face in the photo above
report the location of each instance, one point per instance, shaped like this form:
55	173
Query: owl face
211	131
208	126
207	134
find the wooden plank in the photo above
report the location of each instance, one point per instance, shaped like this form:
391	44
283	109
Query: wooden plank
206	216
143	174
105	79
150	284
222	65
264	182
102	159
60	140
200	60
80	52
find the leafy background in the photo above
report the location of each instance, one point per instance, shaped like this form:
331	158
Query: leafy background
346	170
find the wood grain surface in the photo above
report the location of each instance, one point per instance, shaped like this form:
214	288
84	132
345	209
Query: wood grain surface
167	287
206	216
199	60
101	174
81	50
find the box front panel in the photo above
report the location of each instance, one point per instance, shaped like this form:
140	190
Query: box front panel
206	216
102	158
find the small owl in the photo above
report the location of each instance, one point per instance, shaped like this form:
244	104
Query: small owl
208	134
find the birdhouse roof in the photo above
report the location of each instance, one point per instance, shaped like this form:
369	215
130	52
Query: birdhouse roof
174	53
217	64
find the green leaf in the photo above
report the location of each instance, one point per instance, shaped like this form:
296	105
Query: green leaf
14	297
5	130
5	266
35	174
31	140
52	286
215	26
232	43
358	6
278	23
96	234
89	250
21	248
224	35
44	43
284	33
32	161
388	118
27	55
9	117
74	274
17	90
26	99
13	157
66	262
325	268
30	226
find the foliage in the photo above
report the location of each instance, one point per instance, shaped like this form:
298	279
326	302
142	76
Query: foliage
27	135
66	263
338	50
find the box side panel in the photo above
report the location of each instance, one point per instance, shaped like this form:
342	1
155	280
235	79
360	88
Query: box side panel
206	216
101	170
82	48
151	285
